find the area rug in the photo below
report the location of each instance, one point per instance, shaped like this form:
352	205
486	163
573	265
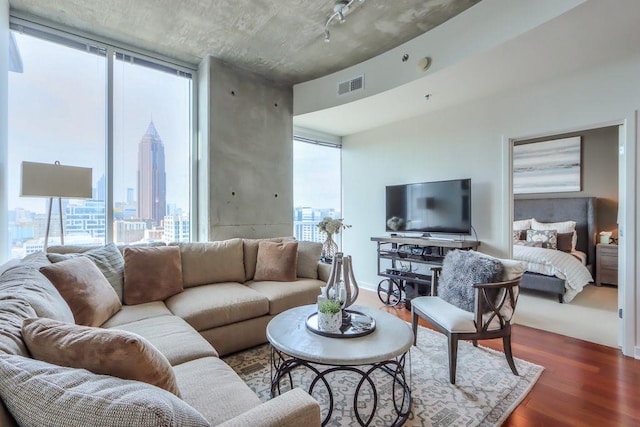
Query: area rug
485	393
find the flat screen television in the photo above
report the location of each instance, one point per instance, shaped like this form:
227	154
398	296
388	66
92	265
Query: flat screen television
430	207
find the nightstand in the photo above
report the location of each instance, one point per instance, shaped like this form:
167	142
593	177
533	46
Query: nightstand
606	264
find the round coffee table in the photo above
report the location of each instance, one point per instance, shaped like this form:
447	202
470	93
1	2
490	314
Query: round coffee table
384	350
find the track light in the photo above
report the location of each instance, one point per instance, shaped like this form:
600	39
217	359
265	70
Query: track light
340	9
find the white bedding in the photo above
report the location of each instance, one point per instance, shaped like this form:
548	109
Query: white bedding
552	262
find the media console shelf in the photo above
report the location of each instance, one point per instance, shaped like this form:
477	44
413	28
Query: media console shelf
401	283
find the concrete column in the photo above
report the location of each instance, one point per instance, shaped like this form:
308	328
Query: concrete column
246	148
4	122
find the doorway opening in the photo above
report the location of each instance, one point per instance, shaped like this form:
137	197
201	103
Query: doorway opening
589	312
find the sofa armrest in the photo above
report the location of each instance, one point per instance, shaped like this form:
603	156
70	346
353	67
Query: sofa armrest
324	271
292	409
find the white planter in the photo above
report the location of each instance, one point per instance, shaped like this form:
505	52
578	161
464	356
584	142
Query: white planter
330	322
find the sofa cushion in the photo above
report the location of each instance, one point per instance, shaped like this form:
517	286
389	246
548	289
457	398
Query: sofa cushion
25	282
107	258
12	313
209	306
308	259
284	295
90	297
212	262
112	352
132	313
251	254
277	261
39	394
178	341
151	274
211	387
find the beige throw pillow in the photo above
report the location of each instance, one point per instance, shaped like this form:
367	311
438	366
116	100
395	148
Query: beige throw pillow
151	274
112	352
276	261
85	289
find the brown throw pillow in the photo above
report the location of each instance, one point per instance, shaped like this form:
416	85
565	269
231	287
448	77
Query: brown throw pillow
85	289
112	352
151	274
277	261
250	247
565	242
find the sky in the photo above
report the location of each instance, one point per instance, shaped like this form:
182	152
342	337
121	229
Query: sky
57	112
316	176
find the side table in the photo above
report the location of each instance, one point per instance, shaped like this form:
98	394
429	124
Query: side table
606	264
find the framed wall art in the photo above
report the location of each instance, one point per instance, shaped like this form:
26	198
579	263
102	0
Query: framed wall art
547	166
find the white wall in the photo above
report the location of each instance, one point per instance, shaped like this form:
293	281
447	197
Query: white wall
4	121
467	141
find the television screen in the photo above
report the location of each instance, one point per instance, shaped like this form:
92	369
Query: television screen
430	207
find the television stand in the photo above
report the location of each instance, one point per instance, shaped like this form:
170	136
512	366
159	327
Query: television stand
400	285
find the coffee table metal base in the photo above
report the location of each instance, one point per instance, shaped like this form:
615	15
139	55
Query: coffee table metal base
282	365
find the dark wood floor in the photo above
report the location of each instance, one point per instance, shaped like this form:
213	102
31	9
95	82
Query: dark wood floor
583	384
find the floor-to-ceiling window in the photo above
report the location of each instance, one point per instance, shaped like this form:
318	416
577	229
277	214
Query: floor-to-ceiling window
152	109
126	116
316	187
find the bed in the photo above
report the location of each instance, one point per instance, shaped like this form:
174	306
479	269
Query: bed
554	280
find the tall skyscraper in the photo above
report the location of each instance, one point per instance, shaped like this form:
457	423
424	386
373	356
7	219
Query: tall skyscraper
151	177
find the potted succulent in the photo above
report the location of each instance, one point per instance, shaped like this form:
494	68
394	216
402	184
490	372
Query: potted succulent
329	315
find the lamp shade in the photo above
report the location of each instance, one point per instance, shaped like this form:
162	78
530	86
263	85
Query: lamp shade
55	180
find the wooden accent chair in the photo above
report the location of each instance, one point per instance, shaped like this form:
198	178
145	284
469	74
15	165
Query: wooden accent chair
458	324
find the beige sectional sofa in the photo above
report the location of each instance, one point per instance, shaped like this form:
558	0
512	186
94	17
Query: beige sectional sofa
221	309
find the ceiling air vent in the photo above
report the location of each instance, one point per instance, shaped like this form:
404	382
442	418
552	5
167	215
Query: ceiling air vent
352	85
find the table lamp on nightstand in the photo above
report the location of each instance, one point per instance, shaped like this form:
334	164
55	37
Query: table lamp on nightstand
605	237
55	180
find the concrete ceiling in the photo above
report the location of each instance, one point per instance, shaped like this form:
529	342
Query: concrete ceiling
589	36
279	39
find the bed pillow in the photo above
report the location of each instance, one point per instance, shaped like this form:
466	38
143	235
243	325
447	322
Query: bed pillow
107	258
112	352
560	227
85	289
516	235
565	242
151	274
548	238
523	224
463	269
276	261
41	394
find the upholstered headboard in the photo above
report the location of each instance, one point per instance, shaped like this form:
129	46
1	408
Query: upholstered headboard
582	210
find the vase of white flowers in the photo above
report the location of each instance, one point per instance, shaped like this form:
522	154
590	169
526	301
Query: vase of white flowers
330	226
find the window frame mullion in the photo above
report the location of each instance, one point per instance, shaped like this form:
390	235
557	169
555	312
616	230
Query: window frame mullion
109	154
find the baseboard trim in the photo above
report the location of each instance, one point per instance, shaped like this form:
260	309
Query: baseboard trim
636	353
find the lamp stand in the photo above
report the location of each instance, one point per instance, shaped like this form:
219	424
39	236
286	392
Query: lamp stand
46	236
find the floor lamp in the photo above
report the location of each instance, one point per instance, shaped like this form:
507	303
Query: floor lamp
55	180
